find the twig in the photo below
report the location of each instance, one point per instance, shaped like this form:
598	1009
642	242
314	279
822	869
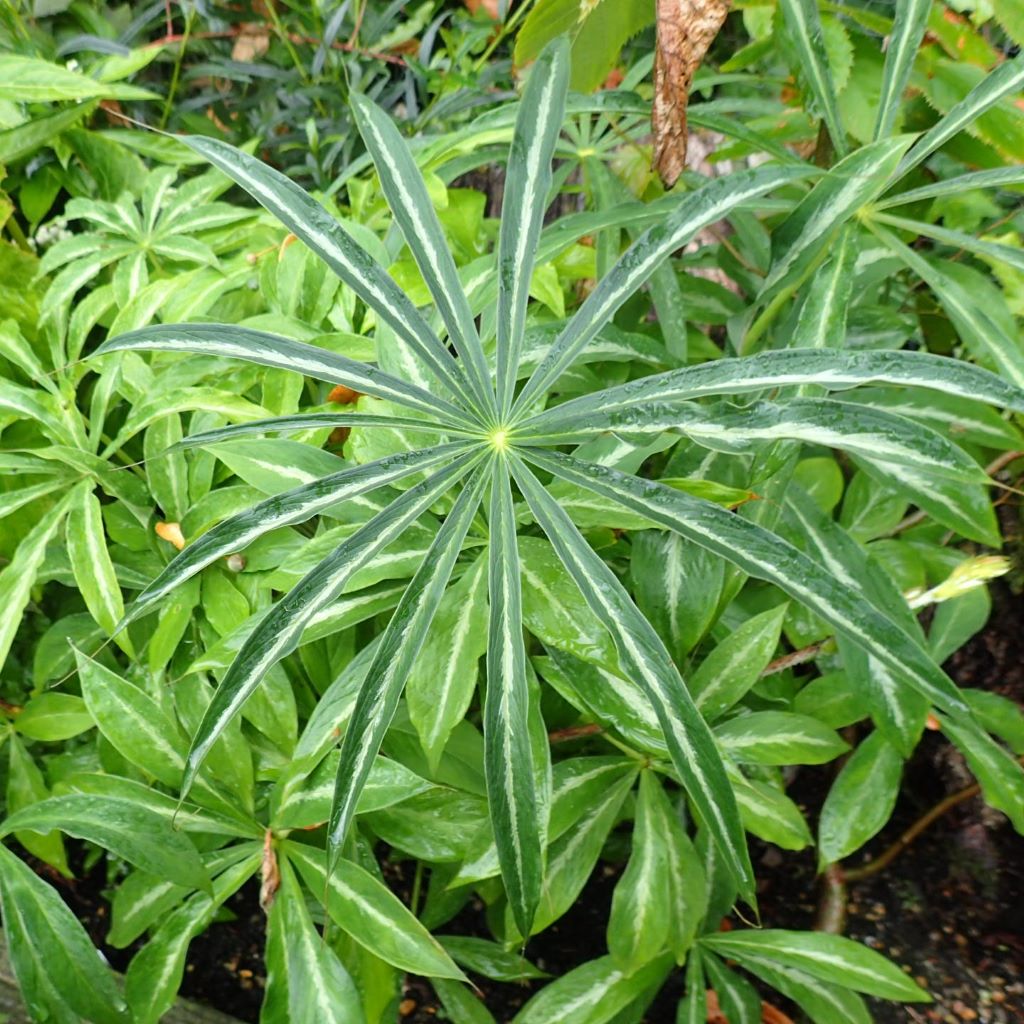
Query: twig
574	732
805	654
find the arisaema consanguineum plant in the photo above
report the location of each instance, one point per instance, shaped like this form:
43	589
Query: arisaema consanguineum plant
498	435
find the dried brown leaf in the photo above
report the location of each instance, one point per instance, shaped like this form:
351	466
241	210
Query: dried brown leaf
686	28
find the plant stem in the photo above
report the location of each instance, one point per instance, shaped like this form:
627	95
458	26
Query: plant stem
176	73
417	885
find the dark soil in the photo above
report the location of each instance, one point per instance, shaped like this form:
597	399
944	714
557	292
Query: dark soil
950	909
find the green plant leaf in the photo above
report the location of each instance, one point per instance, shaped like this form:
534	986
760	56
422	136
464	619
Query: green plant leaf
279	631
26	787
981	333
53	716
308	421
1007	254
287	509
639	923
737	998
128	830
481	956
538	124
305	979
1006	79
592	993
779	738
91	564
735	665
812	226
959	183
444	677
822	1002
694	211
59	973
861	799
829	957
804	28
406	192
368	911
761	554
156	971
508	758
235	342
1000	776
26	79
900	53
18	577
135	725
461	1003
398	650
310	222
835	371
643	656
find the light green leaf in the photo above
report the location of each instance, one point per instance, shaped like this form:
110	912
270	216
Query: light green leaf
32	80
1000	775
53	716
316	985
737	998
736	664
822	1002
638	926
676	584
59	972
91	564
778	738
368	911
25	788
19	575
829	957
861	799
155	973
128	830
591	994
135	725
444	677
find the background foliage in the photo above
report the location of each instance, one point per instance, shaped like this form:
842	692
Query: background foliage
883	226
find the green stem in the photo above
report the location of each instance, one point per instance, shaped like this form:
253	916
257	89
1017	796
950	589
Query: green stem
765	320
505	29
176	73
417	885
14	230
